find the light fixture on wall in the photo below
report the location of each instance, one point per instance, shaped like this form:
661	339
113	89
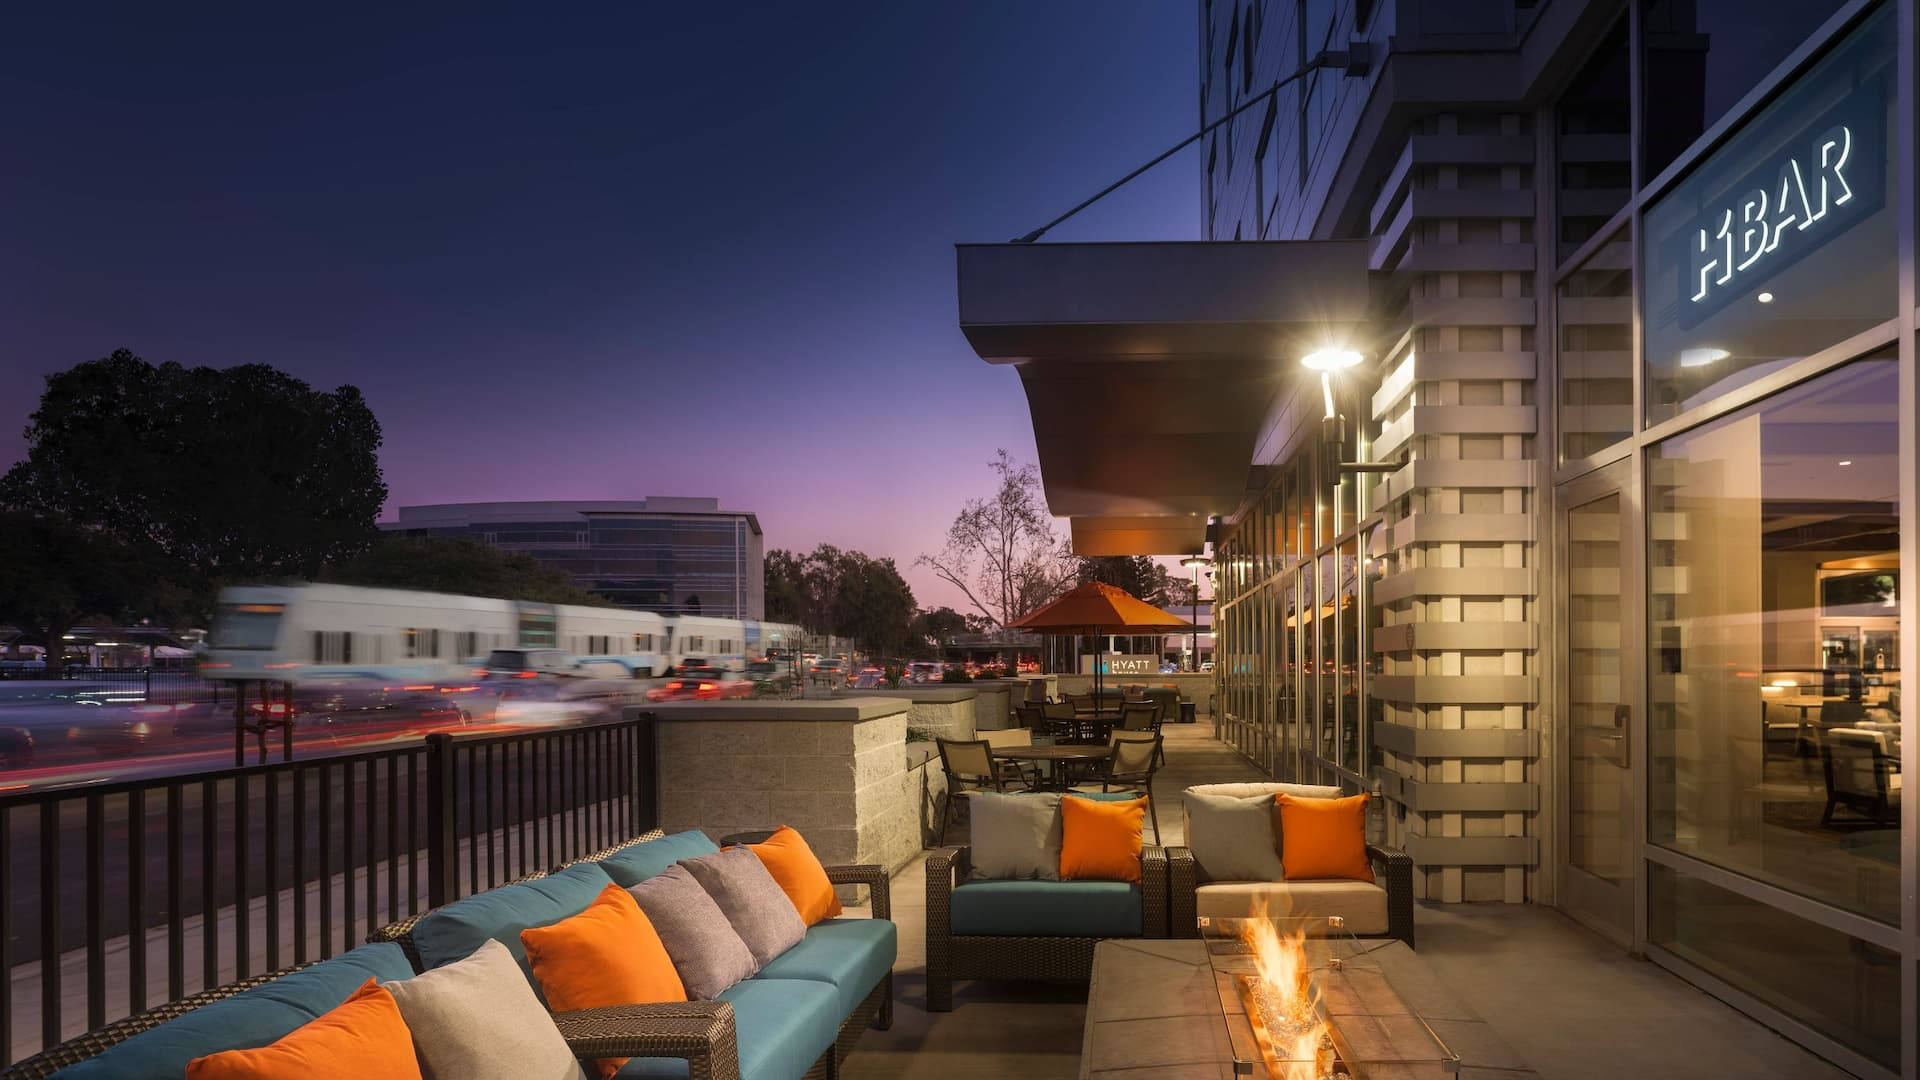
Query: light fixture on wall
1765	298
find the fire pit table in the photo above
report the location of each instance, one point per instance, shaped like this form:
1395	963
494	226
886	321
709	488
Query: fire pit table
1280	999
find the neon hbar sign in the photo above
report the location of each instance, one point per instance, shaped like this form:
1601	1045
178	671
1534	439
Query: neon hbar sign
1822	179
1746	234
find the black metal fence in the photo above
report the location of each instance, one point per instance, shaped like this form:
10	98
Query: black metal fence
117	897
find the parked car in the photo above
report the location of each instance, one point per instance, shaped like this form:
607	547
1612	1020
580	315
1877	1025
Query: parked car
702	684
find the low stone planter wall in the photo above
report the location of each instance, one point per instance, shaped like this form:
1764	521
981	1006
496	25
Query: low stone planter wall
927	784
835	769
993	705
945	711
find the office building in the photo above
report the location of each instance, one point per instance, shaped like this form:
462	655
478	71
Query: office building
1546	391
675	556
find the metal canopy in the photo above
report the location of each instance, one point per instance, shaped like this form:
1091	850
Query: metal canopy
1150	369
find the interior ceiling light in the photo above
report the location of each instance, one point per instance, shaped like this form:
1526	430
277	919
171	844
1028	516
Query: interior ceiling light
1849	461
1765	298
1331	359
1690	358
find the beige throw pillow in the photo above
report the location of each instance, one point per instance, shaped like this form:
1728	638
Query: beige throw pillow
477	1019
1015	836
1232	837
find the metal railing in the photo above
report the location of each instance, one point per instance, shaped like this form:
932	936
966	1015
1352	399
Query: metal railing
120	896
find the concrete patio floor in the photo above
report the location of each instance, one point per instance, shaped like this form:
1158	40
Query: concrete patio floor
1572	1004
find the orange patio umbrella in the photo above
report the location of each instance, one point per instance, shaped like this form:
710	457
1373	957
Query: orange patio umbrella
1096	608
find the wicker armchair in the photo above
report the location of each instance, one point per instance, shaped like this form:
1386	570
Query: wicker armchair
1394	870
1023	957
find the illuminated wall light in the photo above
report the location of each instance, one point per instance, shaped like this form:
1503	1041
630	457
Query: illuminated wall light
1698	358
1331	359
1765	298
1849	461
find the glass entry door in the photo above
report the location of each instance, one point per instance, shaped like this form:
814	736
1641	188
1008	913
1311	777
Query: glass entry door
1598	701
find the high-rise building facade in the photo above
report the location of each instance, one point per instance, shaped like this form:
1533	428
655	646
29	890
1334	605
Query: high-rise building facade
675	556
1545	390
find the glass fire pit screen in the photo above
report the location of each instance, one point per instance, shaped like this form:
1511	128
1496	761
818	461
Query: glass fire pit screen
1303	999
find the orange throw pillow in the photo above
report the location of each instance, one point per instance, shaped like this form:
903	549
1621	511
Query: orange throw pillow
1100	840
1322	838
362	1036
609	954
793	864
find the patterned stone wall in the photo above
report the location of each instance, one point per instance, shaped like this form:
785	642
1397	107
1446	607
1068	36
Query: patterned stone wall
1459	733
835	770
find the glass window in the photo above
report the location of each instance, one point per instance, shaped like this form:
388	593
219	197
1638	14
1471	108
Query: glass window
1594	144
1702	56
1782	242
1326	685
1773	549
1595	313
1350	666
1845	988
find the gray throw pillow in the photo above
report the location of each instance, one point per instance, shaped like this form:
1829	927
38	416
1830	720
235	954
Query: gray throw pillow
752	901
1015	836
477	1019
1232	837
701	942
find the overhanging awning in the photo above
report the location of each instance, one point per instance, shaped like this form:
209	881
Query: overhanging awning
1151	368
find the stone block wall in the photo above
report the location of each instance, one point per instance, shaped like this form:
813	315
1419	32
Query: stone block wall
946	712
835	770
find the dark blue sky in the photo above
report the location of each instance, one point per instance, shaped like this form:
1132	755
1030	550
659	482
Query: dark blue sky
587	251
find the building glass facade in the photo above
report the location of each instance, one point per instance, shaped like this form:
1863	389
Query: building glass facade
670	556
1615	614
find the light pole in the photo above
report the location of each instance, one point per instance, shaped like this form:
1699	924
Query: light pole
1196	563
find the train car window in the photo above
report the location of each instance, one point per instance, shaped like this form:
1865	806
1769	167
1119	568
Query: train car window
319	647
409	641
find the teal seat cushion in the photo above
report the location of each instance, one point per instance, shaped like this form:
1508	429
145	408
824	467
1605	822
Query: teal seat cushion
633	865
1046	909
454	931
248	1020
784	1026
852	954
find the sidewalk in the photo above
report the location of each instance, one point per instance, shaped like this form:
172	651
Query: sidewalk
1571	1003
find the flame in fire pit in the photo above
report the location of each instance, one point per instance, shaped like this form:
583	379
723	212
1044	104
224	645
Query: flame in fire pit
1282	1004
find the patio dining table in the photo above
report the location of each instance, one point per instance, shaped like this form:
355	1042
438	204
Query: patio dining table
1053	757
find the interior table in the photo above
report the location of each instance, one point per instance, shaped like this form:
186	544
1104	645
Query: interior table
1053	757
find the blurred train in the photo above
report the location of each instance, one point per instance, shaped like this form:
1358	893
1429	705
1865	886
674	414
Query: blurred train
296	632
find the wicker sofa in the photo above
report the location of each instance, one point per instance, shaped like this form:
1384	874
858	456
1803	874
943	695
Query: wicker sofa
1383	908
1030	930
799	1017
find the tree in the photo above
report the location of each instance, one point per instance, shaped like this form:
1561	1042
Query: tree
1139	575
1002	552
846	593
929	629
236	473
786	588
461	567
55	573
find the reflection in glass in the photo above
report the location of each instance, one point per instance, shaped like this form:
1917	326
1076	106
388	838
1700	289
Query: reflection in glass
1595	314
1599	800
1594	146
1375	663
1327	685
1842	987
1775	752
1702	56
1782	242
1350	666
1289	682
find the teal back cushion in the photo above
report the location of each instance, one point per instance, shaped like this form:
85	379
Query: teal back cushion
632	865
454	931
252	1019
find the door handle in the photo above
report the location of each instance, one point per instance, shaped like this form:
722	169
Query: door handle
1623	722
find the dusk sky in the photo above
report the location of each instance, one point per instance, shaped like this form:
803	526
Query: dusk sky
588	251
